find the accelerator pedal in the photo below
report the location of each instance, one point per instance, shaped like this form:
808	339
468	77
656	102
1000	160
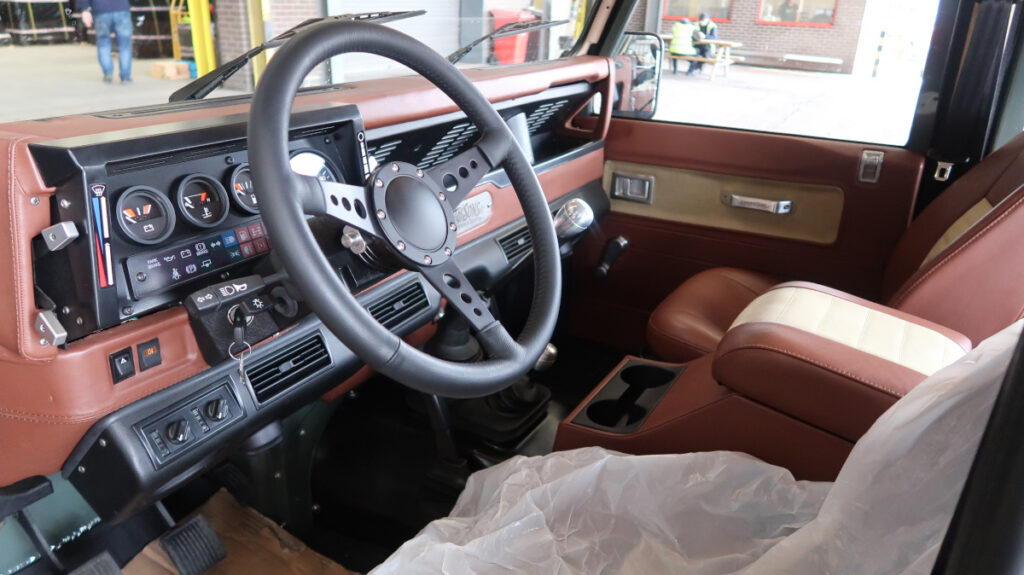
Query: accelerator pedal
193	546
102	564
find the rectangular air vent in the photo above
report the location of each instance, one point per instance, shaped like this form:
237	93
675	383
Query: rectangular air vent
395	308
284	368
456	140
516	243
540	116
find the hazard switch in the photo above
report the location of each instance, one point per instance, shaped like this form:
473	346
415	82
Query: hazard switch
122	365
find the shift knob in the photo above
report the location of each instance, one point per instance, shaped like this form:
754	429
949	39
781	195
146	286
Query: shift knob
612	250
573	218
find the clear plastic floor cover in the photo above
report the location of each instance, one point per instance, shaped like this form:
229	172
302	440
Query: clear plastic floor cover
596	511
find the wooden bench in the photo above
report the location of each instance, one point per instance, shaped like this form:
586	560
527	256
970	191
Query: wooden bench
717	63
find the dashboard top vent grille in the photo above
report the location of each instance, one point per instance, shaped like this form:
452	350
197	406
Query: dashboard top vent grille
281	370
453	142
381	152
395	308
516	243
540	116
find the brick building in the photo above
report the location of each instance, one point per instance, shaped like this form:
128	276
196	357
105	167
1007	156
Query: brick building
802	34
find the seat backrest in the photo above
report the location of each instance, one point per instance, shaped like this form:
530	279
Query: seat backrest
959	263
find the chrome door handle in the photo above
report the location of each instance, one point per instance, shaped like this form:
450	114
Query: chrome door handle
759	204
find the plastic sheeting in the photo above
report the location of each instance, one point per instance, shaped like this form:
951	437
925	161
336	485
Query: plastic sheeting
595	511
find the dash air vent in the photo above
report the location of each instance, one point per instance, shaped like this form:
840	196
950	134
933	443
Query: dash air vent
382	151
543	114
516	243
395	308
274	374
453	142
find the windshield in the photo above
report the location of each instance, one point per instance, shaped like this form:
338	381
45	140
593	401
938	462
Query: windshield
85	56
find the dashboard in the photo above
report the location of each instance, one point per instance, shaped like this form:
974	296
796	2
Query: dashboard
157	236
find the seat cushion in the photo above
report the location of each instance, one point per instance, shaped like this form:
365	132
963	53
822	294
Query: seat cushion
830	359
692	320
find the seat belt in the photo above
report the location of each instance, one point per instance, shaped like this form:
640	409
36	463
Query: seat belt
965	128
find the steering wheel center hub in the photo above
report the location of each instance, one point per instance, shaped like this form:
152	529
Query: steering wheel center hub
413	214
416	213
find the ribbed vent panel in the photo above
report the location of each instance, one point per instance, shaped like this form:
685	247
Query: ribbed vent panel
516	243
271	375
396	308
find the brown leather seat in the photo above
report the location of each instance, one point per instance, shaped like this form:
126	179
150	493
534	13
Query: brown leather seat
952	266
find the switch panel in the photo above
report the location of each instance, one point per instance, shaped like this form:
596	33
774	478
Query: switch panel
189	424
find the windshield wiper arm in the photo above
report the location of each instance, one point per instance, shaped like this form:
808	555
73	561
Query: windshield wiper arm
510	29
201	87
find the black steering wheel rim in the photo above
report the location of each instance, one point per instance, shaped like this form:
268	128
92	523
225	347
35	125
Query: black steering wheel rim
286	198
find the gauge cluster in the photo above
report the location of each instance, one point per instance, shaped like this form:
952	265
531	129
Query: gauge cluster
165	210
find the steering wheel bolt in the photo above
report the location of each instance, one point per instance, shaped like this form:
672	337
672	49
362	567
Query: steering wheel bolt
447	251
419	173
400	245
451	226
379	183
441	195
381	214
427	260
394	167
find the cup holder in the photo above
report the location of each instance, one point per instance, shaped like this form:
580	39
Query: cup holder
629	397
647	376
613	413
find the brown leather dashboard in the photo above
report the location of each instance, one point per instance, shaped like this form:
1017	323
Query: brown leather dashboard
49	397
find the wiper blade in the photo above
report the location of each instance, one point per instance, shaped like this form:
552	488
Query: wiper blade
510	29
201	87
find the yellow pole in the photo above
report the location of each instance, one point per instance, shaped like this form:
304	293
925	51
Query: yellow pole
256	37
202	38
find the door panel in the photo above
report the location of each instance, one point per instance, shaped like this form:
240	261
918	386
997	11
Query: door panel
670	242
706	199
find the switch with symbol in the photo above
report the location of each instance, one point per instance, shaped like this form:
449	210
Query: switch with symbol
122	364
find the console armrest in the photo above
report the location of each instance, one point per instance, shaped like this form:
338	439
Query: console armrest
828	358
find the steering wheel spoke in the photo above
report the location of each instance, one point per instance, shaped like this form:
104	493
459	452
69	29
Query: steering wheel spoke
448	279
459	175
344	202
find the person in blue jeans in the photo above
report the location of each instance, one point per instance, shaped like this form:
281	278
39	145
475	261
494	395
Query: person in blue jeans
111	16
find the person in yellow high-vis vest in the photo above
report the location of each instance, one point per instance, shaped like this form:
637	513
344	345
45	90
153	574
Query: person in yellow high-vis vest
682	42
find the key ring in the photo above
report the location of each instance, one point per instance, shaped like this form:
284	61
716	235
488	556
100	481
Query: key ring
241	356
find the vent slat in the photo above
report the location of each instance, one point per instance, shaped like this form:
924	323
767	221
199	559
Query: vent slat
280	371
516	243
396	308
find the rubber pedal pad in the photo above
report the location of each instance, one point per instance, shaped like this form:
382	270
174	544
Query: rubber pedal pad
193	546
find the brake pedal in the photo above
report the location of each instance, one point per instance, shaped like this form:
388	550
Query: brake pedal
193	546
102	564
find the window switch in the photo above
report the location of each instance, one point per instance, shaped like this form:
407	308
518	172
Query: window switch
149	354
122	365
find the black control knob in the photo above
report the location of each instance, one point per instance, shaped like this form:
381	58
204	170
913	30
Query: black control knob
217	409
178	431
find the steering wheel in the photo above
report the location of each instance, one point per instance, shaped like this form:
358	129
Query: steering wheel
410	210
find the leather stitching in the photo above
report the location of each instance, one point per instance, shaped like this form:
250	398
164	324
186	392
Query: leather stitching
817	363
902	297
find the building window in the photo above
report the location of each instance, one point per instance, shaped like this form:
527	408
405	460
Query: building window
678	9
818	13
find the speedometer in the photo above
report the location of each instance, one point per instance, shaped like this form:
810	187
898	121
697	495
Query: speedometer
313	164
202	200
145	215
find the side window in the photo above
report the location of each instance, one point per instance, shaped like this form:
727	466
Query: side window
838	69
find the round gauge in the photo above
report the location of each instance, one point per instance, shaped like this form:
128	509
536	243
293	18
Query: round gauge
313	164
145	215
240	188
202	200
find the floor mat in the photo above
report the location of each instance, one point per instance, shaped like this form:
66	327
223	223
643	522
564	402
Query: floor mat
256	546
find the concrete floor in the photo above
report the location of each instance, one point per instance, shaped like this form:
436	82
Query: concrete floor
837	106
48	81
